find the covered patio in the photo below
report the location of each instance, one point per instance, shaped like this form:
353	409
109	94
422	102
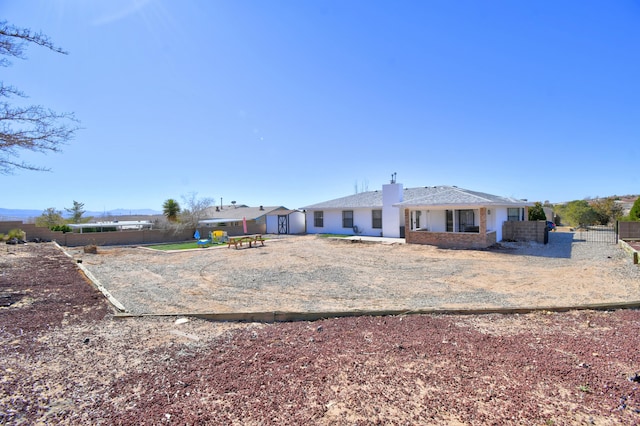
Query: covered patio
451	228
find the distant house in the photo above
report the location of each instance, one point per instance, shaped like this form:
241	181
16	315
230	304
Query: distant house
239	219
108	226
446	216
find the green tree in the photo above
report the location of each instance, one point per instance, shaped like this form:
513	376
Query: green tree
607	210
27	127
537	212
50	218
634	214
578	213
76	212
171	209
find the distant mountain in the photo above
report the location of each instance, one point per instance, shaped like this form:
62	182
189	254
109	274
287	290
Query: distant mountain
17	214
124	212
22	214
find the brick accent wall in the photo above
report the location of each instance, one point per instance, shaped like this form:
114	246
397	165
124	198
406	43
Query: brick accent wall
455	240
524	231
483	220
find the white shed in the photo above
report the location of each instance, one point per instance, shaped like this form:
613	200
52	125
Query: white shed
286	222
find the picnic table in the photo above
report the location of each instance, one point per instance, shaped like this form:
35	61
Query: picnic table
252	240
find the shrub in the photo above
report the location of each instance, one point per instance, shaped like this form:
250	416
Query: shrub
17	233
62	228
537	212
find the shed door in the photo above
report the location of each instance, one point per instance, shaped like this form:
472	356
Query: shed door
283	224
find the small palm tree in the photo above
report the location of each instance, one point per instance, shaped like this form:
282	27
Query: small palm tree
170	209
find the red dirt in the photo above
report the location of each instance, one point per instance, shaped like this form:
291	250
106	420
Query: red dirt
634	244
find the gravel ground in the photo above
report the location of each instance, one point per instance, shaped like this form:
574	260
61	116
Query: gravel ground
66	360
311	274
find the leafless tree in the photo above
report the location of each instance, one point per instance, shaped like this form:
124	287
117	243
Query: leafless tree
32	128
193	208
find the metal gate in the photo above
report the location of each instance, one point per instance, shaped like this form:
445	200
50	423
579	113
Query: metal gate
603	234
283	224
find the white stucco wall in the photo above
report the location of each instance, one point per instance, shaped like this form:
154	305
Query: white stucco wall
362	218
501	216
392	217
296	223
432	219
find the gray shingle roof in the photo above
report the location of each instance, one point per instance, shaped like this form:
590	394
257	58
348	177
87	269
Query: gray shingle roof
421	196
238	212
369	199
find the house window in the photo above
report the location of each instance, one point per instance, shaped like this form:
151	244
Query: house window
347	219
318	219
466	221
513	214
376	219
449	216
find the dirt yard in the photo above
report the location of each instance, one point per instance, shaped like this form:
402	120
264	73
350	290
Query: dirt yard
311	274
67	360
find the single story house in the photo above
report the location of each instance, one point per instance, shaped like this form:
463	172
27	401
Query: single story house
445	216
238	219
115	225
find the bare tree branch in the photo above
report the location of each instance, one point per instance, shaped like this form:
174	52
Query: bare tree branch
32	128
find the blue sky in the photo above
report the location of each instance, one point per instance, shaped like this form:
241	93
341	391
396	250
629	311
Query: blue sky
297	102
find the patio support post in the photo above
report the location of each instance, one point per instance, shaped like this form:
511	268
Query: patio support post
483	220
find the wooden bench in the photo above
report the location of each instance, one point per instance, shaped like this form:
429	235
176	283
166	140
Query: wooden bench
252	240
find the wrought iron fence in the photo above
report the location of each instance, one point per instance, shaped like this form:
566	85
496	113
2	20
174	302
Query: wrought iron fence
603	234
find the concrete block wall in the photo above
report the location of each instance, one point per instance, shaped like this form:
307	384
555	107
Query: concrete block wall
30	229
232	231
629	230
71	239
123	238
524	231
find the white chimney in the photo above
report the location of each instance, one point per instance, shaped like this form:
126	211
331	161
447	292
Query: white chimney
392	219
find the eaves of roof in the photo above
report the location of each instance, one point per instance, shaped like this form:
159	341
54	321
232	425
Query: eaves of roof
238	213
453	196
422	196
282	212
370	199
